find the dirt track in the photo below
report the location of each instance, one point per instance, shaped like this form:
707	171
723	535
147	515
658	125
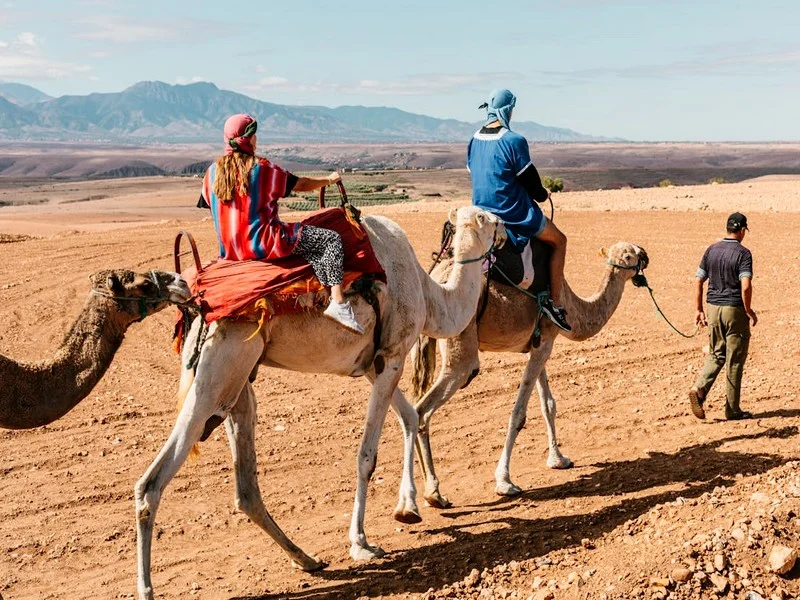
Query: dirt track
66	503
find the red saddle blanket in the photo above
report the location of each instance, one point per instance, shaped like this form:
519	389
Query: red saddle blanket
227	288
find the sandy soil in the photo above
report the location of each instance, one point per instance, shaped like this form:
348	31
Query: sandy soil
66	504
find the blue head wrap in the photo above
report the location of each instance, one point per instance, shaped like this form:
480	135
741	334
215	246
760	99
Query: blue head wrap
499	107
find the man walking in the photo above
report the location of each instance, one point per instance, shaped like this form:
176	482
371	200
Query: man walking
728	267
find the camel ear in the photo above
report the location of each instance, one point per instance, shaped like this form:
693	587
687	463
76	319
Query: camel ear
452	217
603	253
481	218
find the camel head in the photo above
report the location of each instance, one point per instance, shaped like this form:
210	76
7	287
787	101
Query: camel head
477	232
140	294
628	259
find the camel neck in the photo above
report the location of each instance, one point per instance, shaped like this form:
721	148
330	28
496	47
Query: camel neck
35	394
451	306
588	316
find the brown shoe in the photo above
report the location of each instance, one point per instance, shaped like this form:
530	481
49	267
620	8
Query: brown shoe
697	404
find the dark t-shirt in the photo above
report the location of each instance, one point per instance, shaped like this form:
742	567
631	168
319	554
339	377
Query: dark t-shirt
723	265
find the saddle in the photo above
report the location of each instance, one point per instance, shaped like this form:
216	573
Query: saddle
529	270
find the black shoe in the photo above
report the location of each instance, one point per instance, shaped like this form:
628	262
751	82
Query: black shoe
556	314
738	416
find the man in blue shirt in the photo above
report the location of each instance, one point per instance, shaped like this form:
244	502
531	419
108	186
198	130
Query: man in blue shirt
505	183
728	268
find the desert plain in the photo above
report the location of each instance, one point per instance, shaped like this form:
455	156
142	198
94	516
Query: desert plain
653	489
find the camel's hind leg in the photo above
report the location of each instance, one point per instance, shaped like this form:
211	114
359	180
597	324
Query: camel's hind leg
383	389
555	460
241	426
218	383
459	365
536	360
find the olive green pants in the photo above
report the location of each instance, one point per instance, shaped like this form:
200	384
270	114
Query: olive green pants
728	341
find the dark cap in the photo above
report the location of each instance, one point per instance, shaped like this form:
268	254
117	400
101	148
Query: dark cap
736	222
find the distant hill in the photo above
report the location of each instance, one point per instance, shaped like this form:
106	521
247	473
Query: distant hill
21	94
152	111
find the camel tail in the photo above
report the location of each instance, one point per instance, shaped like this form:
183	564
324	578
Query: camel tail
423	362
187	379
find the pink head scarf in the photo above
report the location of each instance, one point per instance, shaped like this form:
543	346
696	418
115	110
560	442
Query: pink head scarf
239	131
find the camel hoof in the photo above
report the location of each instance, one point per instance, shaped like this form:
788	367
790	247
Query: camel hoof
146	593
310	564
507	488
366	552
436	500
409	517
559	462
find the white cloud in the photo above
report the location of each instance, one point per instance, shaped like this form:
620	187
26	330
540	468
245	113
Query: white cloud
742	64
418	85
24	59
181	80
26	38
118	29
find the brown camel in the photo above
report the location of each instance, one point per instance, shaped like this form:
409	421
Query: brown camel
36	394
507	326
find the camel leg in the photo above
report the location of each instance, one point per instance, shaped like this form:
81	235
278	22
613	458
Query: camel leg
241	426
383	388
407	511
536	360
218	383
555	460
459	363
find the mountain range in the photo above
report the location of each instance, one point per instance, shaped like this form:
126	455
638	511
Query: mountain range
157	112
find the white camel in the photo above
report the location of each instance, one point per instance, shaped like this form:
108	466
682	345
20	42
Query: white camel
507	325
411	303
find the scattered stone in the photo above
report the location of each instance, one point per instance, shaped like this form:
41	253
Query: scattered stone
737	534
719	562
658	582
473	578
681	574
720	582
587	543
782	559
544	595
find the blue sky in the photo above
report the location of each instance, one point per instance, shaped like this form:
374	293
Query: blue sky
642	70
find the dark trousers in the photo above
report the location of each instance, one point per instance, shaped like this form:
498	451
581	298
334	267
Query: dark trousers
728	341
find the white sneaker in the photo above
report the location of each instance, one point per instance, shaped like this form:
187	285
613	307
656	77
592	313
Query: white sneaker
343	314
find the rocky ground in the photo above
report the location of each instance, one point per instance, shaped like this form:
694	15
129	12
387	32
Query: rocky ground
655	495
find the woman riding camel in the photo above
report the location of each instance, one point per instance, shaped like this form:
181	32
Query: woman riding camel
243	191
505	183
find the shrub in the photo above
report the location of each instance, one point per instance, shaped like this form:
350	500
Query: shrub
716	180
664	183
553	184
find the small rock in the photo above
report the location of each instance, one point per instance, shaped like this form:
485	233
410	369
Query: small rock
681	574
657	582
753	596
473	578
719	562
544	595
737	534
537	583
781	559
720	582
587	543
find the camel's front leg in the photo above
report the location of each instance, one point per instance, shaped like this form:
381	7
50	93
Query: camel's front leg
407	511
221	372
555	460
536	360
383	388
459	365
241	426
